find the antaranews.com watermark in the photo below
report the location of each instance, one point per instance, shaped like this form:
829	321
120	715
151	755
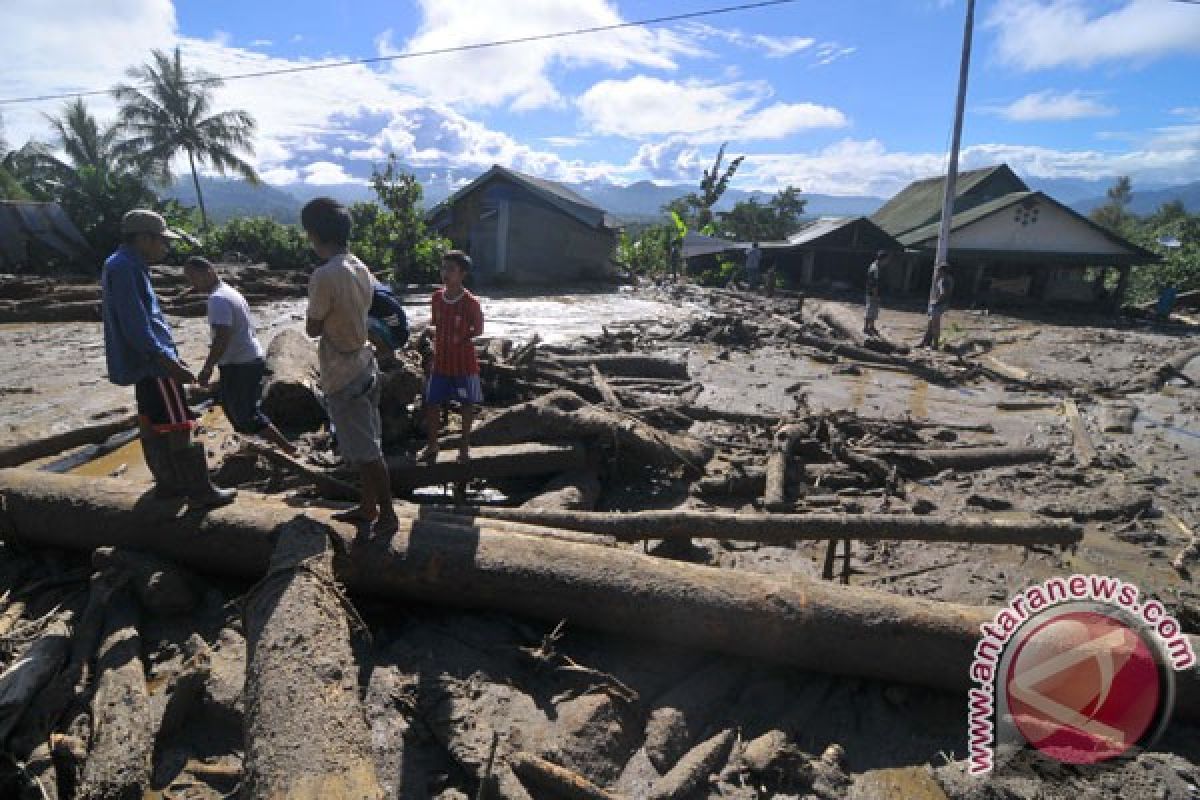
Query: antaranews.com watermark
1079	668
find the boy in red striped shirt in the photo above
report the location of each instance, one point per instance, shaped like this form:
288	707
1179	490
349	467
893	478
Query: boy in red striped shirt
457	319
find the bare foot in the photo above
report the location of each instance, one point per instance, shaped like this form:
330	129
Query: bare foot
355	515
429	454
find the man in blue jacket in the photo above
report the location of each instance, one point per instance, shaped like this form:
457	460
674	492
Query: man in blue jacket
140	352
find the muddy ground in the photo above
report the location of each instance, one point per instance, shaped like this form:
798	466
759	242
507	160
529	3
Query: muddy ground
438	684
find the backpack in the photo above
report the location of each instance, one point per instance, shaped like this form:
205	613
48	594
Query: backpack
386	308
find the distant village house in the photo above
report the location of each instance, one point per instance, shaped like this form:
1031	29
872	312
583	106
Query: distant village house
519	229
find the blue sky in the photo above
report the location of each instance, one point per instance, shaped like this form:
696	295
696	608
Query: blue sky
853	97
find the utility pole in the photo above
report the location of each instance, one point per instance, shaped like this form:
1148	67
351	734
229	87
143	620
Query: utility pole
943	242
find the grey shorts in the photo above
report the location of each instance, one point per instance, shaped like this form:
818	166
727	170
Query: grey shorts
354	411
872	307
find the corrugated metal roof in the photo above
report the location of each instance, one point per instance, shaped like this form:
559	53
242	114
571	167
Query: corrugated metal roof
920	203
820	227
46	223
556	194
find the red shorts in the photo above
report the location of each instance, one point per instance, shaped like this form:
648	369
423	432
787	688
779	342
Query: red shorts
161	405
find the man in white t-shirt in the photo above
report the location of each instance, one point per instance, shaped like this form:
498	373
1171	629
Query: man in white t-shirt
235	349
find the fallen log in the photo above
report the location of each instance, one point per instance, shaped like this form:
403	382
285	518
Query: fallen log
961	459
24	452
685	711
25	677
289	396
504	461
1085	453
782	446
606	391
841	322
1171	368
835	629
563	415
1004	370
632	526
628	365
121	745
577	490
80	311
326	484
802	335
749	482
559	781
305	731
693	770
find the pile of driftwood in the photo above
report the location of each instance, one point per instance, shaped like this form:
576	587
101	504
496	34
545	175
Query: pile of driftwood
36	299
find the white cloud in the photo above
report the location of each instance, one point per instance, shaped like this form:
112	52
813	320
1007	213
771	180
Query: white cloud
1049	105
868	167
564	141
72	45
769	46
518	76
261	43
326	173
832	51
280	176
1035	35
644	106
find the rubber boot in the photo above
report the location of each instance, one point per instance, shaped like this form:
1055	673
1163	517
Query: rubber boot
192	466
157	453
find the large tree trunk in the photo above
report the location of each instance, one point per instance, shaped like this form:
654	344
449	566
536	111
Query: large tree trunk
306	734
928	461
633	526
118	763
505	461
564	415
289	398
802	622
199	194
628	365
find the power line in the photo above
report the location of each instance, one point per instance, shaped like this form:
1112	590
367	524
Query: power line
541	37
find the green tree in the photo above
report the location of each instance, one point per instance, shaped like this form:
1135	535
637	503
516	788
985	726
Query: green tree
171	113
695	208
751	221
1114	214
84	142
390	233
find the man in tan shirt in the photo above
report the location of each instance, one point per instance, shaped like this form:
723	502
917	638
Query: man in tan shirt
339	296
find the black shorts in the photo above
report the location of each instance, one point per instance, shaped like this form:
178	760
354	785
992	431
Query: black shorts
240	395
161	405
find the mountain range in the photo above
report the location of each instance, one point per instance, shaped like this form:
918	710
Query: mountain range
636	202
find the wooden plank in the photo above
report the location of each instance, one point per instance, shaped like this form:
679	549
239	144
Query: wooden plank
1085	453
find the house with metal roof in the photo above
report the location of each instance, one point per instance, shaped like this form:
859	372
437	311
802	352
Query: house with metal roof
831	251
35	234
519	229
1007	242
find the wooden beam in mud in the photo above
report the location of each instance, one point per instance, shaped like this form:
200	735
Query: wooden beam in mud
802	622
24	452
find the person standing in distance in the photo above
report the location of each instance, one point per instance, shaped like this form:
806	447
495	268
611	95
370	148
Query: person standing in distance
140	351
339	297
882	258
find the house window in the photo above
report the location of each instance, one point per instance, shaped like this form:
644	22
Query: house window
1026	215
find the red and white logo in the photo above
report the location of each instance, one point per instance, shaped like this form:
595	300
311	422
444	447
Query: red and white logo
1084	686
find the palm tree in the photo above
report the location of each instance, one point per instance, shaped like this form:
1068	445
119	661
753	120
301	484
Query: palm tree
169	113
84	142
